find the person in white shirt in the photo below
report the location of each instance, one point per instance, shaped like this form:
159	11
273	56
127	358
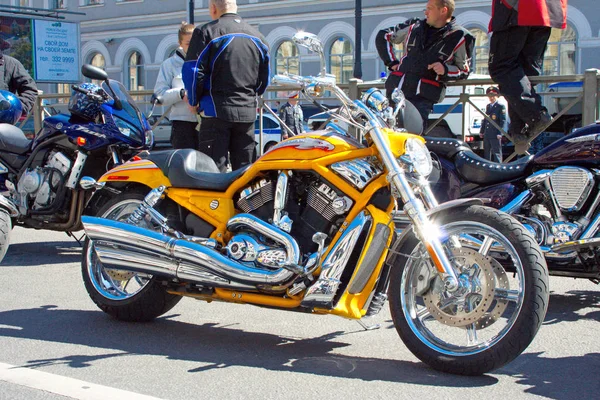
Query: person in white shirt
169	85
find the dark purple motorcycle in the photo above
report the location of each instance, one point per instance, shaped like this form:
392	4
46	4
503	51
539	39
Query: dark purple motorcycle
555	194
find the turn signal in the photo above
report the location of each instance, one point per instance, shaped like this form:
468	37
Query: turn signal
81	141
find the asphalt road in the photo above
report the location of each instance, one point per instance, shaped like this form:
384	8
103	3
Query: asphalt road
55	344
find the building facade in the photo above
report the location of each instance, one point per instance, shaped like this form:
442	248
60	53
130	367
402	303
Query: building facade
130	38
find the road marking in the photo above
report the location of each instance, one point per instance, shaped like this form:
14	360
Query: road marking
64	386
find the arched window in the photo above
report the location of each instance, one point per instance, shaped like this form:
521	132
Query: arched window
135	72
97	60
559	58
286	58
341	59
481	51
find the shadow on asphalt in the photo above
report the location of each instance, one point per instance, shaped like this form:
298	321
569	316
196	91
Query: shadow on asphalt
566	307
217	346
42	253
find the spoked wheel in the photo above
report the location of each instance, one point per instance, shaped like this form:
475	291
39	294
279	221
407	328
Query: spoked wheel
125	295
499	307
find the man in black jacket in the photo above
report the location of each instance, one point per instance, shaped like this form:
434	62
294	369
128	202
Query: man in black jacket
521	30
17	80
226	67
436	50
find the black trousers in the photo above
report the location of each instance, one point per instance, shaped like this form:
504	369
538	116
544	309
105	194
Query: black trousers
184	135
492	149
424	107
219	137
515	54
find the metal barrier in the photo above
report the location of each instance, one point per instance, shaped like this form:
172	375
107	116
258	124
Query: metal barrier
589	97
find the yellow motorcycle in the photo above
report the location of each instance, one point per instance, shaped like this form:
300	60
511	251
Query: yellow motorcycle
310	227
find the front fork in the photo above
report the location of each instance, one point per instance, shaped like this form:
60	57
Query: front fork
414	207
425	230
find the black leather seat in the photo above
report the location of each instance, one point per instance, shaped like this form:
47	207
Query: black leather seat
446	148
484	172
13	140
191	169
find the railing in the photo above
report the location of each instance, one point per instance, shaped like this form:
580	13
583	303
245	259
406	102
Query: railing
589	97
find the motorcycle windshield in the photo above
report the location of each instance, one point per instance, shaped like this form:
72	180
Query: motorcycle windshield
129	119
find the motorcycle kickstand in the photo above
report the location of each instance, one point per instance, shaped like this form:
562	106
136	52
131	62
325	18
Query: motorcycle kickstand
367	327
75	237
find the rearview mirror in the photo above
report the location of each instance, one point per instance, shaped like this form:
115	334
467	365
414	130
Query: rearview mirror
309	41
95	73
312	42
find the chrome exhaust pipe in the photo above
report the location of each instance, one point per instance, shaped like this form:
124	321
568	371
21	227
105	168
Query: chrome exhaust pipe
143	250
575	245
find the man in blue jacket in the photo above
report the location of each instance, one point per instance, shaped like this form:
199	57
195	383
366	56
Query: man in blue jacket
492	137
226	68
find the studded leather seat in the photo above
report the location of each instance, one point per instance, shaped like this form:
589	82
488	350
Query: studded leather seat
478	170
13	140
191	169
446	148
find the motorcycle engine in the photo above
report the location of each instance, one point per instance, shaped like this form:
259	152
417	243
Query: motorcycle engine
42	183
313	205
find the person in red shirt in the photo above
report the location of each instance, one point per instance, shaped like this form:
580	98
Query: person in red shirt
520	32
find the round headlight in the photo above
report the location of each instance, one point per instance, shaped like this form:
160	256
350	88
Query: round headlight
417	154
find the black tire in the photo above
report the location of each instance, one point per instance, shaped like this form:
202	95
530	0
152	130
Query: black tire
151	301
5	228
525	320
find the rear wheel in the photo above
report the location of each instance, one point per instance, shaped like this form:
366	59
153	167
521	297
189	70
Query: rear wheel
125	295
5	228
497	311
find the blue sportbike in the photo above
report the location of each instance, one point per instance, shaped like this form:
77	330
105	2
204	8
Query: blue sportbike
40	178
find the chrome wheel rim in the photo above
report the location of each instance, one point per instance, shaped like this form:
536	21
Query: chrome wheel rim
461	336
115	284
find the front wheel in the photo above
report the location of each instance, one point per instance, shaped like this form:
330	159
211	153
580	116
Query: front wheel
125	295
499	307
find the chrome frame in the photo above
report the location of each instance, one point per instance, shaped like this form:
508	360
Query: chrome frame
323	291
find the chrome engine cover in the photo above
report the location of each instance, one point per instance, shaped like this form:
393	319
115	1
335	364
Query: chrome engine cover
246	248
571	187
359	172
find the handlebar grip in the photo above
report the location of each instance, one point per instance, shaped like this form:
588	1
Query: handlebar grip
78	89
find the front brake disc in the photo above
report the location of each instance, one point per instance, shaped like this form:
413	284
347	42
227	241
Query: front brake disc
446	307
501	282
